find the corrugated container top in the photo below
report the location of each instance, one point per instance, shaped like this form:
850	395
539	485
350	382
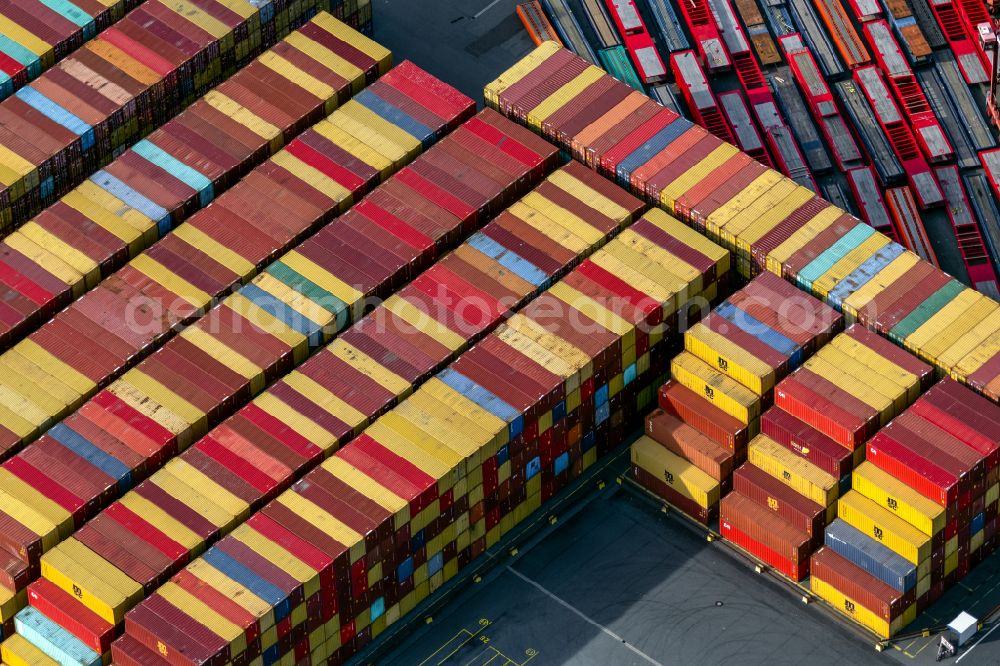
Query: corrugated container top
872	556
709	419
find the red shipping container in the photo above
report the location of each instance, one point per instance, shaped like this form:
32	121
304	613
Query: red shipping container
815	401
798	510
919	473
685	441
66	611
965	414
857	584
801	438
765	535
705	417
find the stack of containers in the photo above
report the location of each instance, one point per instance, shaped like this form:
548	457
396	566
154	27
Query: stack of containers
316	176
427	488
811	441
767	220
133	426
721	383
342	390
129	79
921	514
95	228
37	34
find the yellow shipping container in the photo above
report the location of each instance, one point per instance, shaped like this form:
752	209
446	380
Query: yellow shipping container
690	237
935	349
11	602
889	492
885	527
96	584
969	341
745	198
852	366
986	350
729	358
681	475
797	473
778	198
855	611
879	364
723	391
564	94
17	651
883	279
520	69
942	320
856	386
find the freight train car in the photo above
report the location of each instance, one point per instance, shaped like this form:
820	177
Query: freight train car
821	103
615	62
967	231
815	37
923	122
536	22
638	41
909	227
845	37
705	32
954	123
794	109
668	24
600	23
735	112
763	44
876	144
967	55
918	173
698	95
569	29
868	194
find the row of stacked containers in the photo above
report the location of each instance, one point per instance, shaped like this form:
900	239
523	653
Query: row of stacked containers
453	442
137	198
572	401
127	80
817	450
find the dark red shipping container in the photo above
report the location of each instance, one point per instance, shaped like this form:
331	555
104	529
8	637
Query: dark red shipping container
800	437
855	583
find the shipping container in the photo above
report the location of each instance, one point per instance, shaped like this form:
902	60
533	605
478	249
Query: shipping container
765	535
807	442
705	417
886	527
685	441
155	61
859	596
871	556
799	474
891	493
770	493
535	397
707	185
353	388
134	201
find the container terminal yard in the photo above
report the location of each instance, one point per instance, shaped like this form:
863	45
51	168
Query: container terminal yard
435	332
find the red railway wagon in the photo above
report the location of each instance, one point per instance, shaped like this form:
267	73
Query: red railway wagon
922	119
909	226
866	10
698	95
821	103
982	275
638	42
747	137
962	43
974	14
904	144
536	23
868	193
708	40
